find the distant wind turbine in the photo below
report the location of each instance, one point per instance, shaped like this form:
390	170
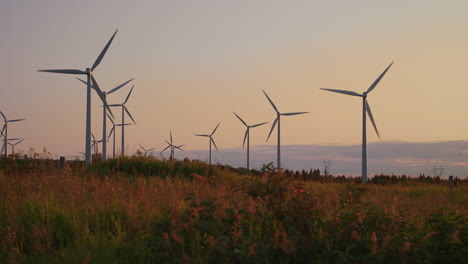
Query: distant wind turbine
365	108
211	139
124	109
90	78
277	120
5	132
13	145
247	137
172	146
104	115
147	150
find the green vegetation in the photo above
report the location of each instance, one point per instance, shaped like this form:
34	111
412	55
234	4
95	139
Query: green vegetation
140	210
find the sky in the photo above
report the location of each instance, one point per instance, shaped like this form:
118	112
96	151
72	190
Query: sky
196	62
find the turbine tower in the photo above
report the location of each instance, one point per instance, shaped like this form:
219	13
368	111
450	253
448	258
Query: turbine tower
211	139
104	116
247	137
90	78
277	120
124	109
173	147
5	132
365	108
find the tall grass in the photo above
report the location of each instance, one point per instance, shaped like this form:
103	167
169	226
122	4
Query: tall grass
118	212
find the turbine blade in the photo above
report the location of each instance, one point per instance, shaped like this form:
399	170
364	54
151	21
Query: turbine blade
66	71
93	136
19	142
379	78
180	147
3	115
110	118
114	105
271	102
126	110
120	86
85	82
199	135
369	112
295	113
245	137
142	147
168	143
15	120
103	52
165	149
110	133
342	92
128	96
101	95
170	132
212	140
259	124
272	127
215	129
243	122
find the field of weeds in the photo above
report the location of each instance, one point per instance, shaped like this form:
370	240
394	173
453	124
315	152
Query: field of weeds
148	211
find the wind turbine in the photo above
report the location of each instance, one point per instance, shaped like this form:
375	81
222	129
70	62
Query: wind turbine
211	139
95	145
90	78
365	108
173	147
5	131
14	144
277	120
104	115
124	109
147	150
247	137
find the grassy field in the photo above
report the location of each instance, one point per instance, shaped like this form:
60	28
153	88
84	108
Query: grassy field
147	211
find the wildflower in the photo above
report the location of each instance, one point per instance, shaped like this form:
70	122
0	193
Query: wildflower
252	249
406	247
374	243
455	236
428	235
176	237
355	235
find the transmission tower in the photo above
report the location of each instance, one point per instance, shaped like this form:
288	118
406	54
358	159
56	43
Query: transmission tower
326	165
438	170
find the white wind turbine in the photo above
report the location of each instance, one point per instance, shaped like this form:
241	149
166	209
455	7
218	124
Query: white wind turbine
365	108
147	150
104	116
247	137
173	147
5	132
90	78
211	139
95	144
277	120
124	109
14	144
